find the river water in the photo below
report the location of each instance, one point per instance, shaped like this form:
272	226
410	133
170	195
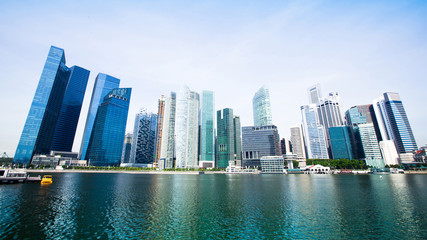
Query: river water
135	206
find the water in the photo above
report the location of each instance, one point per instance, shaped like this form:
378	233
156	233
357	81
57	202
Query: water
132	206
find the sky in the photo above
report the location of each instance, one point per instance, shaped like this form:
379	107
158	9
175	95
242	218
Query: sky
359	49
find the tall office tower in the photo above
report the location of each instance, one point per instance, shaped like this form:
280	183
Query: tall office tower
330	112
103	85
106	141
314	133
341	143
393	122
262	108
389	152
257	142
167	149
228	138
354	116
207	130
69	114
144	140
297	140
285	146
56	92
160	114
315	94
127	146
370	145
187	128
237	140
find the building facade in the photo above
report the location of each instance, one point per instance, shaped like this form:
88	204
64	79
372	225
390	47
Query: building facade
187	128
272	164
167	149
297	139
127	146
228	139
341	143
106	141
44	118
262	108
104	84
314	133
207	128
160	116
257	142
372	154
144	140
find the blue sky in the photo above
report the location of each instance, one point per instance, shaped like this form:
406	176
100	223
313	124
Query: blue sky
359	50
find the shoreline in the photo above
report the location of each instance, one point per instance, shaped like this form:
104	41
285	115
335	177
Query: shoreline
173	172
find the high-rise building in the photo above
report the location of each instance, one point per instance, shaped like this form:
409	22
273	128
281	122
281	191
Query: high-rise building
167	149
106	141
160	114
207	129
103	85
330	112
314	133
69	114
127	146
262	108
55	92
228	139
340	143
187	128
257	142
354	116
144	138
297	142
372	154
389	153
315	94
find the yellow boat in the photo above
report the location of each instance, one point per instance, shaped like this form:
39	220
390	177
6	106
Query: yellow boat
46	179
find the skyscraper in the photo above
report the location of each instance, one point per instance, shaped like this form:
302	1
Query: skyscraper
106	141
144	138
127	146
315	94
354	116
187	128
257	142
69	114
207	131
160	114
49	108
370	145
103	85
340	143
228	138
262	108
298	142
167	149
314	133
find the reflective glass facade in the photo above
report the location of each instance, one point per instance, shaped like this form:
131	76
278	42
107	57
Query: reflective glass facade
69	114
187	129
262	108
207	131
314	133
127	146
340	143
257	142
370	145
106	142
229	144
399	123
144	140
167	149
103	85
42	119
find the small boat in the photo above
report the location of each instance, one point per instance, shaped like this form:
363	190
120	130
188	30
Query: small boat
47	179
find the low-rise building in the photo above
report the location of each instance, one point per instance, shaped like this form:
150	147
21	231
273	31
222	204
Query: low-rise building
317	169
272	164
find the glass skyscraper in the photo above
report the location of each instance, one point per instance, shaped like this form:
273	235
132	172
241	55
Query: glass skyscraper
207	131
144	138
106	141
187	129
262	108
370	145
160	114
48	109
103	85
69	114
167	149
314	133
228	138
127	146
257	142
341	143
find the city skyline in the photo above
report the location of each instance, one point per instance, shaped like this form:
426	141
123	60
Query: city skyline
235	58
